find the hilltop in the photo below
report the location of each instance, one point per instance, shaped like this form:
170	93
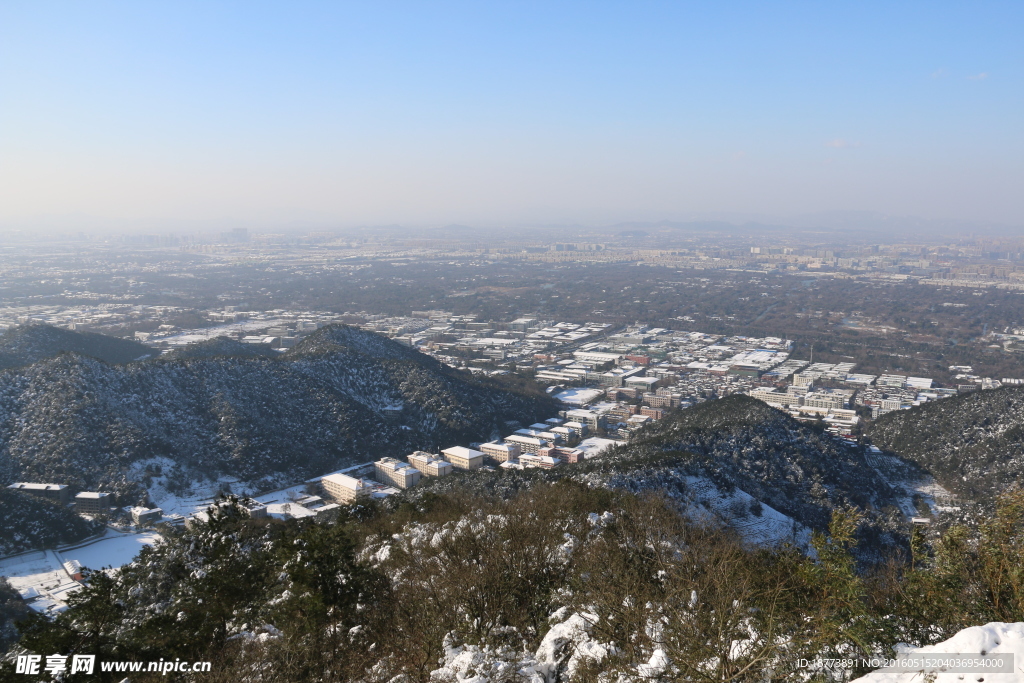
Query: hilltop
31	343
973	444
219	347
343	396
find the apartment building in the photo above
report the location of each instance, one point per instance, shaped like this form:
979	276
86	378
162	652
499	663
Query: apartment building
543	461
897	381
777	398
401	474
526	444
822	400
606	359
587	417
569	455
550	436
562	433
662	401
58	493
619	377
430	464
344	489
887	405
522	324
254	508
501	452
93	503
578	429
653	413
638	420
463	458
621	413
146	516
803	379
643	384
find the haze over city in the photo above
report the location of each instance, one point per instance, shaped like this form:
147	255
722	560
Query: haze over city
511	341
192	116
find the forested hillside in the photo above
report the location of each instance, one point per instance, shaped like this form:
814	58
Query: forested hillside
28	522
343	396
973	444
12	610
30	343
219	347
735	442
562	582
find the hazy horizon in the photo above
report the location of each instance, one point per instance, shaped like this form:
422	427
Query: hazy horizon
121	117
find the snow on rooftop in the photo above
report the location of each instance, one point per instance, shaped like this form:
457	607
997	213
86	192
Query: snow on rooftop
580	396
462	452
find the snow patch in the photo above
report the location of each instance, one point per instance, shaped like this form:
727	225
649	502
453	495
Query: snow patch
990	640
594	446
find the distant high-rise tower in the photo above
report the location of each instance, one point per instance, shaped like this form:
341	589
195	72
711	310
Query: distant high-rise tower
236	235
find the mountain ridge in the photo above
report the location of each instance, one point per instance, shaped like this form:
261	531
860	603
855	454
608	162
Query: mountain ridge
27	344
973	444
80	421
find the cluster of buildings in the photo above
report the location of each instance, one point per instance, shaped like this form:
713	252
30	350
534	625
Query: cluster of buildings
441	333
278	329
108	314
302	506
91	503
634	375
548	444
834	392
996	265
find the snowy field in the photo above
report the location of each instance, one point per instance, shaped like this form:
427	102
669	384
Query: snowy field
35	574
199	496
594	446
113	550
896	474
288	511
767	526
40	578
283	496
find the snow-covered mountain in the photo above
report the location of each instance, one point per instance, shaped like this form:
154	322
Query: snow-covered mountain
31	343
342	396
973	444
735	459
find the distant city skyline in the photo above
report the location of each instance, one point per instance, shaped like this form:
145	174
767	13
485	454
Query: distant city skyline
119	116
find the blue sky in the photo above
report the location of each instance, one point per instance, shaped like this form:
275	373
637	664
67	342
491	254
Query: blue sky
156	114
